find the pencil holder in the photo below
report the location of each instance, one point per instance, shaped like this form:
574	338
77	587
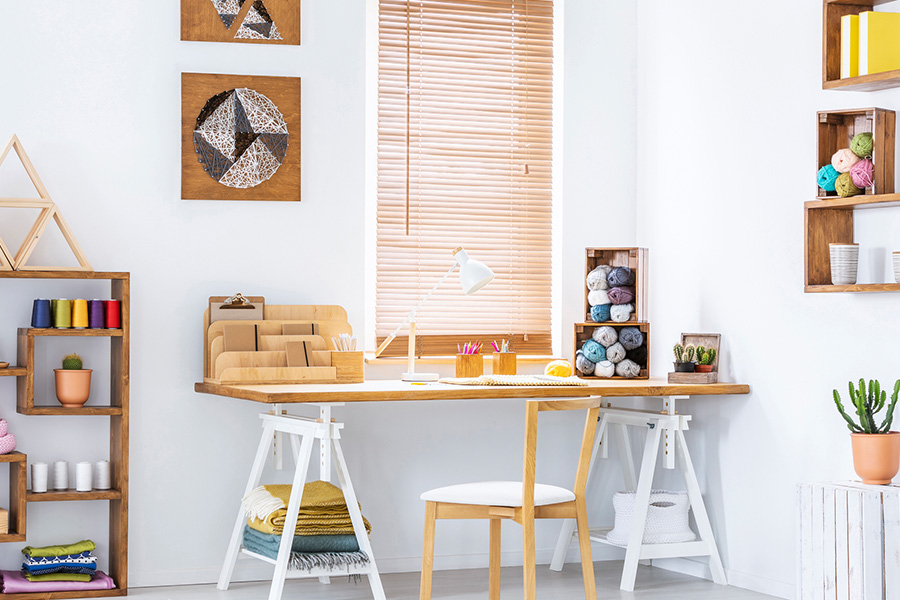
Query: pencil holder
504	363
469	365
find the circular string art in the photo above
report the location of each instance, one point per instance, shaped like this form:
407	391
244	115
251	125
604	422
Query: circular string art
240	138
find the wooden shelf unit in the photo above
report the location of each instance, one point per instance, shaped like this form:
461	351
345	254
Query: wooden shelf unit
117	412
583	333
13	371
833	10
836	128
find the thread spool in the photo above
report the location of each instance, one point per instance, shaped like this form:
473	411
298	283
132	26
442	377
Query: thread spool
113	314
596	279
862	174
79	314
627	369
593	351
96	314
620	276
606	336
620	313
102	479
597	297
826	177
39	477
60	475
62	314
83	476
40	314
844	186
621	295
615	353
631	337
604	368
583	365
843	160
862	144
600	313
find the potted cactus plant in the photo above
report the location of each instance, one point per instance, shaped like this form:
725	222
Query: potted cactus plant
73	383
876	449
705	359
684	358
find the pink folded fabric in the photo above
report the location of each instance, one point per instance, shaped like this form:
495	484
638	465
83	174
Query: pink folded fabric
15	583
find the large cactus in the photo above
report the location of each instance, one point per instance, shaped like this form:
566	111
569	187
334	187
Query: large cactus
867	405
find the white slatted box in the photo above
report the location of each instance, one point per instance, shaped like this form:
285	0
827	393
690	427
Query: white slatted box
849	541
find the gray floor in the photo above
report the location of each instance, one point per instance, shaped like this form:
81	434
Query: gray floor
472	585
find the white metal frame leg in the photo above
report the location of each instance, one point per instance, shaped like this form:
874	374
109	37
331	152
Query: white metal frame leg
641	506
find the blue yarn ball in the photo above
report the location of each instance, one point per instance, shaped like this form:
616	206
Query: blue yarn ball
593	351
827	177
600	313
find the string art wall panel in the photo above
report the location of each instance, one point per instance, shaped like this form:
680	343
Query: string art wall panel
240	137
253	21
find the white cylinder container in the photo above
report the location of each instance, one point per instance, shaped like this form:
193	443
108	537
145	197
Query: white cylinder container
102	475
844	263
60	475
83	476
39	473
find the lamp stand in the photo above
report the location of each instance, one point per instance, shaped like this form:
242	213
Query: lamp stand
411	361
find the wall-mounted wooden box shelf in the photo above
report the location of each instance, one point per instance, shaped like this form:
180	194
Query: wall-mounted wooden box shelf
633	258
837	127
72	495
583	332
831	50
16	530
13	371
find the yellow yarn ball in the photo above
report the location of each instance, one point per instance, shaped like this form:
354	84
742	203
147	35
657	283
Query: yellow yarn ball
559	368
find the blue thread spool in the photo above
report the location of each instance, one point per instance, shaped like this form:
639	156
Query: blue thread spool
40	313
600	313
593	351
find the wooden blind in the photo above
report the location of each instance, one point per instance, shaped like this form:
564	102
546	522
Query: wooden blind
465	111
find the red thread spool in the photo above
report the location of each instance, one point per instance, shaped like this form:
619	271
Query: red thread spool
113	314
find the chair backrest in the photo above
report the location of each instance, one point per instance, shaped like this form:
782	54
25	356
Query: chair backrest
533	407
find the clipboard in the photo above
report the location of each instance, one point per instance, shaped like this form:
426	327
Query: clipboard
236	308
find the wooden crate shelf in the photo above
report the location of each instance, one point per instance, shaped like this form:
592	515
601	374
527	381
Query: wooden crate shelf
13	371
102	411
583	333
75	332
17	478
633	258
837	127
72	495
833	10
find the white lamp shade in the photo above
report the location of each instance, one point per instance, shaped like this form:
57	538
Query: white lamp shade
473	274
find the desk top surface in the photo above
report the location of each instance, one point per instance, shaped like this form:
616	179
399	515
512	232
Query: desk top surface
395	390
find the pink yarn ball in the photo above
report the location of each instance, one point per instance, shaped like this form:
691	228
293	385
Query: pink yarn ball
843	160
861	173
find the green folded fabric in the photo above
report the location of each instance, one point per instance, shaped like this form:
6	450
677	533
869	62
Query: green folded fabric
59	577
256	541
65	550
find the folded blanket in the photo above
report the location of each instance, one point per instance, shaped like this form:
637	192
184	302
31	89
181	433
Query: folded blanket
59	577
302	543
16	583
311	560
323	510
57	551
88	569
83	558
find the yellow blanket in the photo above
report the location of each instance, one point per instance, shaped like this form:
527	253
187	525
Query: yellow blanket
323	510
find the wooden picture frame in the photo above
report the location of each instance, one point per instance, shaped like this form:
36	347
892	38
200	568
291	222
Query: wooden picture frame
198	180
275	21
707	340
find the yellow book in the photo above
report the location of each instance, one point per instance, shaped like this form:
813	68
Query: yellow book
849	46
879	42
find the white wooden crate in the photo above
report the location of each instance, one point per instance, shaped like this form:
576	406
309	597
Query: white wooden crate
849	541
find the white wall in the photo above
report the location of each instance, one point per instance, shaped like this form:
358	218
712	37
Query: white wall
726	144
95	97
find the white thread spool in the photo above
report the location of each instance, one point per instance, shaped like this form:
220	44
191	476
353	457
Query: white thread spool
39	473
60	475
102	475
83	476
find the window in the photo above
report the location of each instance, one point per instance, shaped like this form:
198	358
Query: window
465	111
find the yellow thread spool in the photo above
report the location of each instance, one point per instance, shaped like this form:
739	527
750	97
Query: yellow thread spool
79	314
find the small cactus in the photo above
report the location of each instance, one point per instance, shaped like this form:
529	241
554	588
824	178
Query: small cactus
72	362
689	353
679	351
867	405
683	353
707	356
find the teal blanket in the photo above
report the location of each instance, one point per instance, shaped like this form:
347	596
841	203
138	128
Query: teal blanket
267	544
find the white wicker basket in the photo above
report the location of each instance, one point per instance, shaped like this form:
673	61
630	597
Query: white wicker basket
667	518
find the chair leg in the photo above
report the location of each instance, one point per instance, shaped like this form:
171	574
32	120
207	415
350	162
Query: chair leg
494	586
584	546
428	551
529	558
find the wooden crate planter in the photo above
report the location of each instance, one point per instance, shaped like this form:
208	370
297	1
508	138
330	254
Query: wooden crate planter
633	258
836	129
583	332
707	340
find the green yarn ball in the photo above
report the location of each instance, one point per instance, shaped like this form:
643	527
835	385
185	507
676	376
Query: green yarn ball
844	186
861	144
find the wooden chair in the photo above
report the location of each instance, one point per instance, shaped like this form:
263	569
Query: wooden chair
523	502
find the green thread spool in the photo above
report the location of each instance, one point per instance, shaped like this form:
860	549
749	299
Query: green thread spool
62	314
844	186
862	144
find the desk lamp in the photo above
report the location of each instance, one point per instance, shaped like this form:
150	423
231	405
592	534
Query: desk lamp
473	275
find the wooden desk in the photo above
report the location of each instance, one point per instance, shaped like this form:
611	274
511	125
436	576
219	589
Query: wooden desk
664	427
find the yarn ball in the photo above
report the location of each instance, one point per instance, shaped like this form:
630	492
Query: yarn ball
584	366
621	295
826	177
620	276
627	368
600	313
597	297
862	144
558	368
7	443
604	368
638	355
862	174
843	160
844	186
605	336
4	427
593	351
631	337
615	353
596	279
621	312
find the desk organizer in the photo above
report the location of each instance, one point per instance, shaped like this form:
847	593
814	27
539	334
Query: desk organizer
270	361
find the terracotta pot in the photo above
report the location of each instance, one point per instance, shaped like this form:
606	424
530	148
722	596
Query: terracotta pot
703	368
73	386
684	367
876	456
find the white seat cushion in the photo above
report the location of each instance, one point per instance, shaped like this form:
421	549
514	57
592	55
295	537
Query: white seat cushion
497	493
